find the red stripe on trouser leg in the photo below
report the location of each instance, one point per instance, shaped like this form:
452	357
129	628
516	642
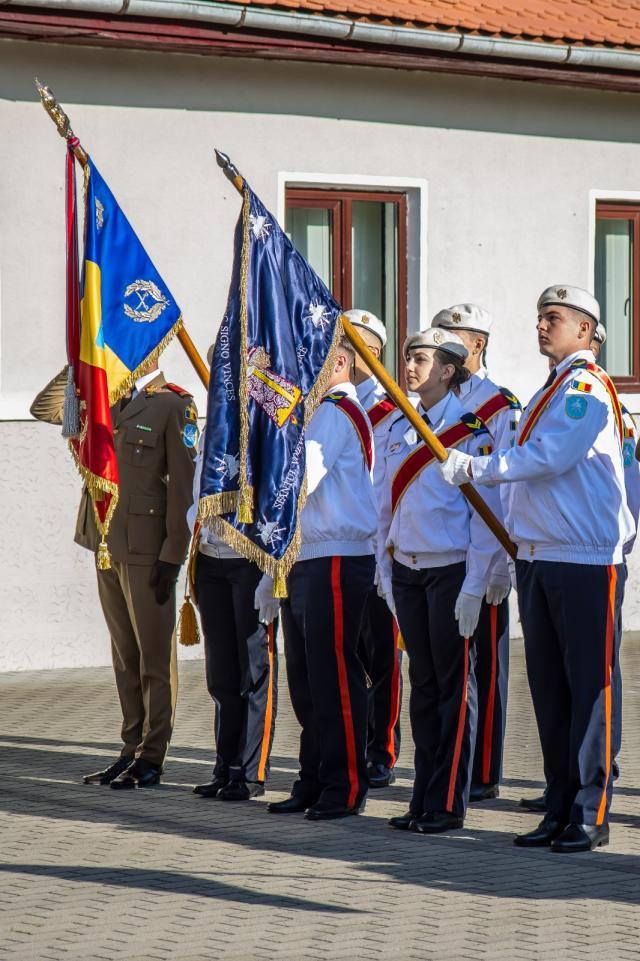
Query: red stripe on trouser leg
487	740
612	576
394	703
343	683
462	716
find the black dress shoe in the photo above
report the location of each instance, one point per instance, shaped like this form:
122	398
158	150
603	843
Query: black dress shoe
211	788
436	822
379	776
141	774
110	773
537	804
401	822
241	790
542	837
322	811
483	792
291	805
581	837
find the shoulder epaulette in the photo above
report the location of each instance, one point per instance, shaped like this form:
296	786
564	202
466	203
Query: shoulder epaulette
178	390
475	425
514	403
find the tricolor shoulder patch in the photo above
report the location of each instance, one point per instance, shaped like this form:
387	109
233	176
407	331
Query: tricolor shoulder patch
581	385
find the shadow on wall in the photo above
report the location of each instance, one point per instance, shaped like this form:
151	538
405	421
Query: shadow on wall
224	85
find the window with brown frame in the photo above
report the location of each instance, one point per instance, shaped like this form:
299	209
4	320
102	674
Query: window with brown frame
617	287
355	240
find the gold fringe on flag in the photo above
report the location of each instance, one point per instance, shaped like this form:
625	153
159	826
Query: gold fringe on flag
245	507
127	384
97	487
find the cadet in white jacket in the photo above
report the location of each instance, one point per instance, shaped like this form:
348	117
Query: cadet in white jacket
500	410
434	557
568	516
327	591
378	647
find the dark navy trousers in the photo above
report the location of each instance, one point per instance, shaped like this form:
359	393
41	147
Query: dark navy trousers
492	677
570	617
241	664
378	651
443	698
321	618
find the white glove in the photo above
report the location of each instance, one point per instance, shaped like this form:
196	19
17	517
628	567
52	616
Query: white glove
455	469
467	612
264	602
497	590
512	574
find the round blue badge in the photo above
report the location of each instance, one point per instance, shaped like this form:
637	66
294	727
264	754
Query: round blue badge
190	435
575	406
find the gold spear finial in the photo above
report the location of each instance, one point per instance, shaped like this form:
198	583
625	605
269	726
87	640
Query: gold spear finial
60	118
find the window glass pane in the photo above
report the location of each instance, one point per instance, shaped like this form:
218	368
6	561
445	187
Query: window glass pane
309	230
614	290
374	244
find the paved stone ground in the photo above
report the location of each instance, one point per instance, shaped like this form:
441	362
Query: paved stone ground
86	873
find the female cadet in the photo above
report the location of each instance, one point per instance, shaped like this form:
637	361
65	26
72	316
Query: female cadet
434	559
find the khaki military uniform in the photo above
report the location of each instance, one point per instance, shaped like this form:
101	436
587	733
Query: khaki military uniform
155	436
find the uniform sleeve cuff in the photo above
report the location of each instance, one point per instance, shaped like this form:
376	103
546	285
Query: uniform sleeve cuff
473	585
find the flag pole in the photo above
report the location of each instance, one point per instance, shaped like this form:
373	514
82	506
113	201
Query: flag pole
63	125
398	397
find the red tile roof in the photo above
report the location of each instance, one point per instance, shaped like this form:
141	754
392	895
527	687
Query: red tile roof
609	22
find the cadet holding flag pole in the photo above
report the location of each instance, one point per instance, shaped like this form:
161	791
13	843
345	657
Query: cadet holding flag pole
500	410
133	443
568	513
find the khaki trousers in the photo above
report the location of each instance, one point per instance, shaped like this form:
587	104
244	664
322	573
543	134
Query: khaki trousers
143	647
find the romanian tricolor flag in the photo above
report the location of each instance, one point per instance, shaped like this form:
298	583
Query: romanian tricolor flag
127	317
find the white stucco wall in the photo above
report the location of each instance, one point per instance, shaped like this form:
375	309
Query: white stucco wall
509	168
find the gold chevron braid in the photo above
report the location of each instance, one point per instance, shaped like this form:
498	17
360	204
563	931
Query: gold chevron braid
60	119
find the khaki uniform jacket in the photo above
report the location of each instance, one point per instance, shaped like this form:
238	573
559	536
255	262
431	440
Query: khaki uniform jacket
155	464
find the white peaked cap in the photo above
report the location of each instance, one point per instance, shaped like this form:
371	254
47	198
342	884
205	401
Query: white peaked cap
438	339
575	297
464	317
369	321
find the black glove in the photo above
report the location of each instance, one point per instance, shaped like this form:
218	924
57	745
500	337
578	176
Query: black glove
163	578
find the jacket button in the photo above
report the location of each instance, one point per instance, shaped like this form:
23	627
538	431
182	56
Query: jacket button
151	510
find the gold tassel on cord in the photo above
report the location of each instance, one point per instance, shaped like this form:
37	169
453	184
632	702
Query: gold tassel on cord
188	630
245	507
279	586
103	558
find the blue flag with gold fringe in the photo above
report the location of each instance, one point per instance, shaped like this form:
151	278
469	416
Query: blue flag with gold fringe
273	356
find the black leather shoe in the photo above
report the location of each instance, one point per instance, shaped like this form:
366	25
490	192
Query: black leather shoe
241	790
110	773
436	822
212	787
542	837
380	776
581	837
321	811
141	774
291	805
483	792
401	822
537	804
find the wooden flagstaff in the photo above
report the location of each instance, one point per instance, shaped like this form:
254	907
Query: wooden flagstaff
398	397
63	125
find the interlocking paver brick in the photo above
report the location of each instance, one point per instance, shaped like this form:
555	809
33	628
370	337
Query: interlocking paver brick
90	873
